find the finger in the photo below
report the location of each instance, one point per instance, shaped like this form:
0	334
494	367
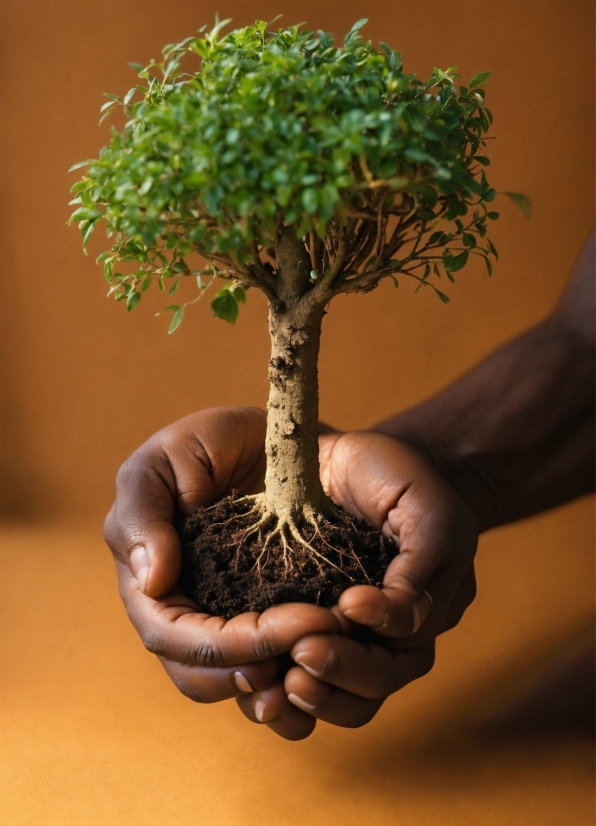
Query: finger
396	610
453	595
210	685
172	627
368	669
273	708
323	701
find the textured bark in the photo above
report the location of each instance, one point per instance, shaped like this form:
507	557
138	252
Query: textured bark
293	487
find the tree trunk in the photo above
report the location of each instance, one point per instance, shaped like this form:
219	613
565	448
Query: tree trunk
293	490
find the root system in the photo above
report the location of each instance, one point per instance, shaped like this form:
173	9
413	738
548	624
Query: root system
235	559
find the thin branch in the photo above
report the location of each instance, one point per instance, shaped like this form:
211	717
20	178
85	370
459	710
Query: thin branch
254	276
332	272
312	249
366	249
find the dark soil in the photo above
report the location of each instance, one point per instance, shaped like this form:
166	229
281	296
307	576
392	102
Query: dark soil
219	572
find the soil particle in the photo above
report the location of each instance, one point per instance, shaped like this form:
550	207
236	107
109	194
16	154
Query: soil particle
220	574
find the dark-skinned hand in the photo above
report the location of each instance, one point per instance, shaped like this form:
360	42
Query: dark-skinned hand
342	676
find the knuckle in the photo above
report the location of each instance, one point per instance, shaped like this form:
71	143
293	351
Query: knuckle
205	654
428	661
363	716
125	471
452	621
264	648
152	641
109	530
386	684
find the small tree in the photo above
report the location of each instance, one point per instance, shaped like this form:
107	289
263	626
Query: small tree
303	170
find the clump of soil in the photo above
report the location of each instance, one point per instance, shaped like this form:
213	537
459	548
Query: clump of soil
220	573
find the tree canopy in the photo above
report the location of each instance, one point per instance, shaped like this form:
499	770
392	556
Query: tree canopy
380	173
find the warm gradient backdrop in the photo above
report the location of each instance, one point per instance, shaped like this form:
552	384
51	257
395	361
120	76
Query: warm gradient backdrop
83	383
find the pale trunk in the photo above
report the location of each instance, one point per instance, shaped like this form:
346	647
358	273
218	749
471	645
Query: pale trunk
293	487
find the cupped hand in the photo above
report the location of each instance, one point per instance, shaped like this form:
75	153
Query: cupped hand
191	463
344	678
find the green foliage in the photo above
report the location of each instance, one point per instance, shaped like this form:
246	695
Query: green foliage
267	129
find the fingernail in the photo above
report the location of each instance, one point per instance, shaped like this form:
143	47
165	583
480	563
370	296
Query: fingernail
420	610
242	683
261	712
299	659
369	618
141	566
298	701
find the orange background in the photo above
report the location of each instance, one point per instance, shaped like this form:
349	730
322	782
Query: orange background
95	732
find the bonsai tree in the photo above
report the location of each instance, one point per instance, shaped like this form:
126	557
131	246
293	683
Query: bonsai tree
301	169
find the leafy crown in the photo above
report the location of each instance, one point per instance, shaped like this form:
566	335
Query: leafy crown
379	173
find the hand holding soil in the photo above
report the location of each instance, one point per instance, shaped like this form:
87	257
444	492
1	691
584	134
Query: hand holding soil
426	589
343	680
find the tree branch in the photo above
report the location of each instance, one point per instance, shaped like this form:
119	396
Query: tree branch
332	272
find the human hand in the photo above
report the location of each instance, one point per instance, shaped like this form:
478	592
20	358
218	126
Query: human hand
426	589
193	462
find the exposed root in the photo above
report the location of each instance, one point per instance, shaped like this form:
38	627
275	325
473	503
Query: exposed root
257	498
286	529
256	509
248	556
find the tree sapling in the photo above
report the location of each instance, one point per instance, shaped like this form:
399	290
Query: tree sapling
304	170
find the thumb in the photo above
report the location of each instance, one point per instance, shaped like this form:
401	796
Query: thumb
139	529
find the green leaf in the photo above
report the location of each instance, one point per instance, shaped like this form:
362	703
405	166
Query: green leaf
492	215
359	24
271	128
87	229
225	306
79	165
132	301
489	266
176	319
444	298
454	263
395	61
85	214
478	80
520	200
81	185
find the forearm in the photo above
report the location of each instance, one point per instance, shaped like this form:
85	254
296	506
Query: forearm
515	436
